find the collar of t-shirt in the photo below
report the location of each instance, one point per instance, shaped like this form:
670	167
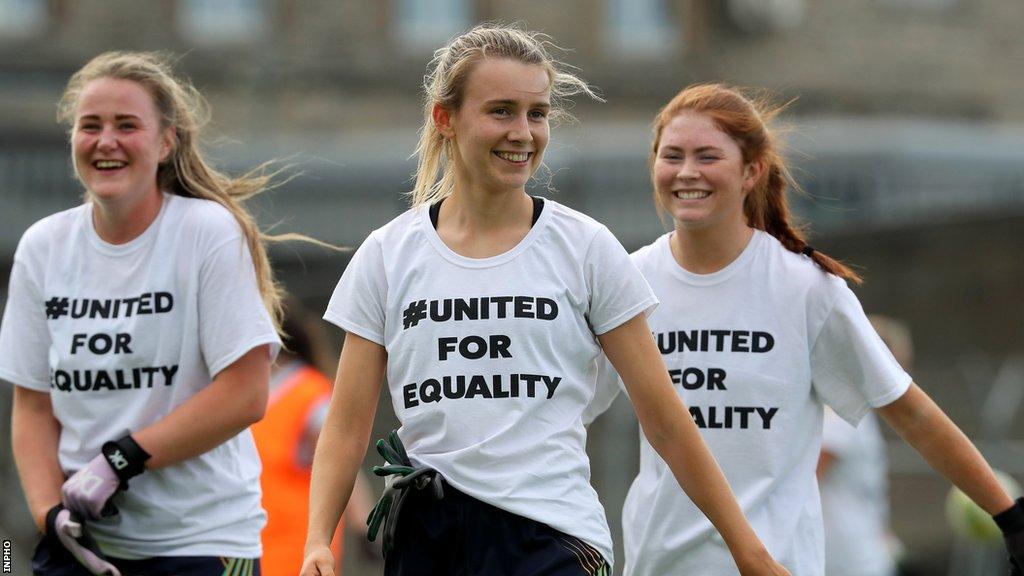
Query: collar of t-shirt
538	207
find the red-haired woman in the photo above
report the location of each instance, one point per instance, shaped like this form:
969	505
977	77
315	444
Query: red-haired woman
758	331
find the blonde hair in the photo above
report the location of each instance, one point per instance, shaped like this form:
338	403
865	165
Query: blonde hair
445	84
186	172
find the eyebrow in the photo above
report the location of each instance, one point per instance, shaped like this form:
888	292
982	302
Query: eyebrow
507	102
117	117
696	150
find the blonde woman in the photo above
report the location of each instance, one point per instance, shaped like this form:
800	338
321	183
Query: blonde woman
488	309
139	333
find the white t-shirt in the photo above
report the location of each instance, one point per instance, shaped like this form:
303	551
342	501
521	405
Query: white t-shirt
854	499
491	361
121	335
754	350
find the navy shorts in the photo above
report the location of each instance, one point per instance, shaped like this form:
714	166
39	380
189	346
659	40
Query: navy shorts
462	536
52	559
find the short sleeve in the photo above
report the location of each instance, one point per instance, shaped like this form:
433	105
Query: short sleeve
618	291
852	370
838	436
24	337
232	317
606	390
359	299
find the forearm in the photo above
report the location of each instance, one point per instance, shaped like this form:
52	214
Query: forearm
35	437
359	504
919	421
344	436
236	399
672	432
339	453
698	474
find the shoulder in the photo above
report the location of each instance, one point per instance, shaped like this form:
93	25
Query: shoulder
799	271
38	238
573	221
204	218
647	254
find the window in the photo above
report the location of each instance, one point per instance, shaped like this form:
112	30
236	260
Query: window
641	28
424	25
222	21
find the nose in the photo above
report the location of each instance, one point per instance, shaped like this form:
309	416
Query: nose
519	131
688	170
107	139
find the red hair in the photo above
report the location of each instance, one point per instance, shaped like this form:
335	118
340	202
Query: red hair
745	119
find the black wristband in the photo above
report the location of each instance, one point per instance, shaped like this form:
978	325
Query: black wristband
51	517
1011	520
126	458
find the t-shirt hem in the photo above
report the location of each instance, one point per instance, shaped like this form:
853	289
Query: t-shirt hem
349	326
241	350
191	550
24	382
646	307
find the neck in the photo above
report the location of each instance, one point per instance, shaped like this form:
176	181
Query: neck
708	250
121	221
483	211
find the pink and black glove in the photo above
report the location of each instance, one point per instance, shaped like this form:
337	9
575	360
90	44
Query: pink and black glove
70	530
1011	522
89	491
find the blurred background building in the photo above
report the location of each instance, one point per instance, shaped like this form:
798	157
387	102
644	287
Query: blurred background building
907	129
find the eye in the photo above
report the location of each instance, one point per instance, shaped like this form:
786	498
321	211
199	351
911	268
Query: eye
88	127
501	112
538	114
127	126
707	157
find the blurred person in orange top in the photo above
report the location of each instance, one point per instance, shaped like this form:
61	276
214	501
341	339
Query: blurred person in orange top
286	439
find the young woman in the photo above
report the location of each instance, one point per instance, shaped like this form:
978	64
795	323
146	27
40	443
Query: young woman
487	309
139	332
758	331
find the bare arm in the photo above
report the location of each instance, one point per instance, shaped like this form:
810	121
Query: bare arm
924	425
359	504
343	439
35	435
671	431
235	399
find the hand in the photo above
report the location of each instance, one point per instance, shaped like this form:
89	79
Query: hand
88	491
71	532
762	564
1011	522
319	561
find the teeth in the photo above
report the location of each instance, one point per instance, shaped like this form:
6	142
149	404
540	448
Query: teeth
692	195
109	164
514	156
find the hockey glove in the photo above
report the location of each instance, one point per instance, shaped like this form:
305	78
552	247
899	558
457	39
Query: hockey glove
70	530
1011	522
399	474
89	491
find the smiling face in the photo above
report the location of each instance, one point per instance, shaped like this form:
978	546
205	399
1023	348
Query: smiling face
699	174
118	141
501	129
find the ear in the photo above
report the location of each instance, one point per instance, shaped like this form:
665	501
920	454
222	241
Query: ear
752	173
442	120
170	136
